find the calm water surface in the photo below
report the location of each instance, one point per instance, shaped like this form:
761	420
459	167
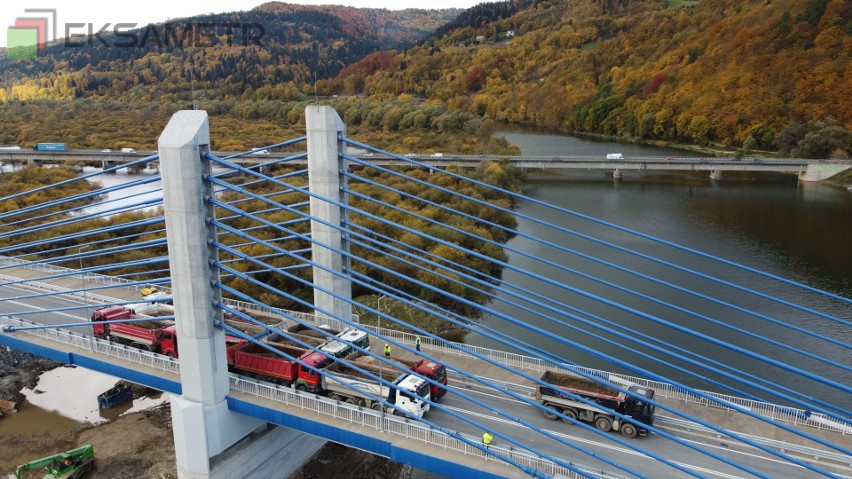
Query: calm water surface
769	222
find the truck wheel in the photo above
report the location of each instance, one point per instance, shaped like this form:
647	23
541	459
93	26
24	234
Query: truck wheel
397	412
301	387
334	397
353	401
603	423
376	406
100	336
549	414
570	413
628	430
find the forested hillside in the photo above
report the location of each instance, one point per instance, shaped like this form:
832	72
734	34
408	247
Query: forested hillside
761	75
755	74
273	51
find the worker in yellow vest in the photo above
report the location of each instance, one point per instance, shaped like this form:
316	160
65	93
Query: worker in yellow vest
387	350
487	438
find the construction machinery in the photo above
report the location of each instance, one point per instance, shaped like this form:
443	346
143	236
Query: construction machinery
64	465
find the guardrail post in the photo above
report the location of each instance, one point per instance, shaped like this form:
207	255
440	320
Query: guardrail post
325	130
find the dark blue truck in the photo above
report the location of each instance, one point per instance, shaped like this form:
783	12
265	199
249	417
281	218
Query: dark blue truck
119	394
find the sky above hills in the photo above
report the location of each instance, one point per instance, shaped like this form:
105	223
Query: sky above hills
65	17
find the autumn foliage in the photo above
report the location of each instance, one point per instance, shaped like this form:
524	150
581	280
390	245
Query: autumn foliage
721	71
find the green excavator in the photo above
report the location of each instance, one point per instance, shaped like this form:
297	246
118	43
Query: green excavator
65	465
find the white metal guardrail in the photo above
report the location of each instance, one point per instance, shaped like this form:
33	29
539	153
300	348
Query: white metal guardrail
772	411
390	424
323	406
119	351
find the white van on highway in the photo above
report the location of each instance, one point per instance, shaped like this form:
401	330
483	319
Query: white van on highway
614	156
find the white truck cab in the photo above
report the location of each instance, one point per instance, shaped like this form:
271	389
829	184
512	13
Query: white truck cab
614	156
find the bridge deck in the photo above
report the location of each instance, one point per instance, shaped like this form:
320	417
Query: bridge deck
373	440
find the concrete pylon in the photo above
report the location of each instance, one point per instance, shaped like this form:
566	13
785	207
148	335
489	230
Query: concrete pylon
211	442
325	130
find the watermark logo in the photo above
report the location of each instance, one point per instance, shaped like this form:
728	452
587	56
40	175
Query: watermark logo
31	33
38	26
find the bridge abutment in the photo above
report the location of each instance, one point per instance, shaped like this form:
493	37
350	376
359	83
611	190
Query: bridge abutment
206	433
821	171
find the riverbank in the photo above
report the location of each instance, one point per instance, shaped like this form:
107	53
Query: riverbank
139	444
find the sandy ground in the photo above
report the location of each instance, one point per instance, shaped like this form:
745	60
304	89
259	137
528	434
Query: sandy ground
139	445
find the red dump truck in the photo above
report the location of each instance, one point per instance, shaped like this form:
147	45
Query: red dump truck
155	335
255	360
426	368
555	397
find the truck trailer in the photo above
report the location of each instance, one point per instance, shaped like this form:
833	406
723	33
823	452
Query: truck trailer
426	368
407	396
50	147
158	336
556	398
257	361
155	335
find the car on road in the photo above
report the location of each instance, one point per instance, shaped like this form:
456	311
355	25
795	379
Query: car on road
106	150
670	158
261	152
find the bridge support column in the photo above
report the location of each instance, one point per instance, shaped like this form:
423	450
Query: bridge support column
716	174
617	174
325	131
208	436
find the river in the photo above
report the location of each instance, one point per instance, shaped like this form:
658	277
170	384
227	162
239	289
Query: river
769	222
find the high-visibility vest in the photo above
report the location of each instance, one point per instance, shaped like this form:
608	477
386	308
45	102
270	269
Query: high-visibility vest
486	439
387	349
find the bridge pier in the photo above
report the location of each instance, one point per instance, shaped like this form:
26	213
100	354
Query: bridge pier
36	162
716	174
325	130
617	174
210	439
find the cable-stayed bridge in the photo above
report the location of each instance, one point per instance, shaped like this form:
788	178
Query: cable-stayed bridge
356	245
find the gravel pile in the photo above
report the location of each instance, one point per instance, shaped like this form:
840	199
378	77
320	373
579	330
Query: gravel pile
19	370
